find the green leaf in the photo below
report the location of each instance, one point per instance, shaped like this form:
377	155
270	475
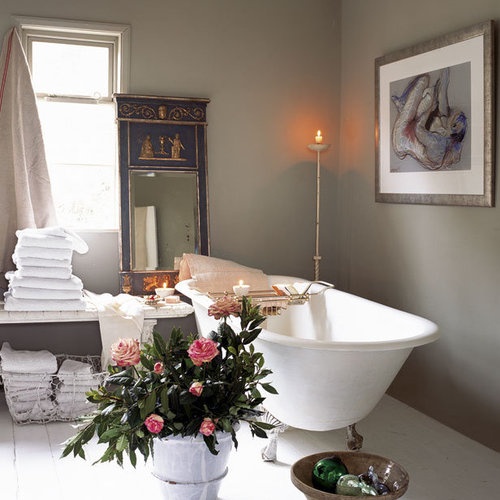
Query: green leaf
269	388
159	344
121	443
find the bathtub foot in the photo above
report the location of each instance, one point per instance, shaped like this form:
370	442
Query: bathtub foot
354	439
269	452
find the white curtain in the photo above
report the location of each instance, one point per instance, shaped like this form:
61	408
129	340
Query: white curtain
25	194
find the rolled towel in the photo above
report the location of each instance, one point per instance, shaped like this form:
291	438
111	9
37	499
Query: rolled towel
27	361
73	366
21	262
193	264
29	394
37	413
41	252
37	406
66	397
13	304
62	273
21	292
72	283
48	236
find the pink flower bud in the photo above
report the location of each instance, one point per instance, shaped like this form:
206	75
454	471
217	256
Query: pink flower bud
207	427
158	368
196	388
154	423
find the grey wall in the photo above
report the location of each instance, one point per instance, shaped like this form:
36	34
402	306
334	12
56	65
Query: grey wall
270	69
440	262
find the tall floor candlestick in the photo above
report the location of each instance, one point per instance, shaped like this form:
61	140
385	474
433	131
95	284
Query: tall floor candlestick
318	148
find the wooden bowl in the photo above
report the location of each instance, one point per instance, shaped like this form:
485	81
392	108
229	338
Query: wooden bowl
388	471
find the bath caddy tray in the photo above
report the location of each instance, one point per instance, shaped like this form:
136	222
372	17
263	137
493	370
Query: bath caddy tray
271	303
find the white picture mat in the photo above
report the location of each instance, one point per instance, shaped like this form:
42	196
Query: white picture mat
435	182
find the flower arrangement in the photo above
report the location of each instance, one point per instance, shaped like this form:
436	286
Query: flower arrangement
183	386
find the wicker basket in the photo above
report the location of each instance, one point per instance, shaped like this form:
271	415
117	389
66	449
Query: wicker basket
44	397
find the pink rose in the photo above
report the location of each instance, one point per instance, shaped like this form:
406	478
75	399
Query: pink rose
207	427
126	352
154	423
158	368
202	351
196	388
224	307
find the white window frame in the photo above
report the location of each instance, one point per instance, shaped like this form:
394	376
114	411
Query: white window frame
114	36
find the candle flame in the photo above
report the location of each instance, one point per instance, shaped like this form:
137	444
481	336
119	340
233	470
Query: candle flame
164	284
318	137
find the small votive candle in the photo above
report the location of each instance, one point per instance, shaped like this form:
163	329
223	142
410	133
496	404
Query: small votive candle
165	291
318	138
241	289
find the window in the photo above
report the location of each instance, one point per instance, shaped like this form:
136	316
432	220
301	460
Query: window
76	67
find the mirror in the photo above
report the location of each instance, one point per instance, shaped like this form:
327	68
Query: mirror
163	187
164	218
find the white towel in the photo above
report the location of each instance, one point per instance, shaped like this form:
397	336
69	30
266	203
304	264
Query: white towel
37	406
43	253
74	397
13	304
20	361
72	283
38	412
120	316
62	273
25	192
52	237
18	393
21	292
40	262
73	367
42	240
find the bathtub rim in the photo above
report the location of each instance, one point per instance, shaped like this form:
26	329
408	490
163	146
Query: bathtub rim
429	334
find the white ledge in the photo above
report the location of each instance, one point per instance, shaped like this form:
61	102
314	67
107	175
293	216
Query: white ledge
90	314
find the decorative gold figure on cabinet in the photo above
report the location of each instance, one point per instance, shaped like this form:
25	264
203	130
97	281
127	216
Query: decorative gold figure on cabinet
177	146
147	148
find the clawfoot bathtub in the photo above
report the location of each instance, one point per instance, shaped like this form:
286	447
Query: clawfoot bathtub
332	357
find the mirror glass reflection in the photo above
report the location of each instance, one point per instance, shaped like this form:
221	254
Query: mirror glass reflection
164	218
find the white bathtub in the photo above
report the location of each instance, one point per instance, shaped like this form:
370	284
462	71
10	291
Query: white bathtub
332	358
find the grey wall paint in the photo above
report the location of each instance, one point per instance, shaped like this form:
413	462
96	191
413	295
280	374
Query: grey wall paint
270	69
440	262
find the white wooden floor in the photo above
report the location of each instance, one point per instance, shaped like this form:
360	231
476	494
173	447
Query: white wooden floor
442	464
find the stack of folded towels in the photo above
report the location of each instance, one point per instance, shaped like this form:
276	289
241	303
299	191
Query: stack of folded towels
37	391
43	280
28	379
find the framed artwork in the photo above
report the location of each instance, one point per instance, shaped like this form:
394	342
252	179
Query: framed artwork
434	121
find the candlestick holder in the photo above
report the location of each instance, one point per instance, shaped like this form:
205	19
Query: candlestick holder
319	148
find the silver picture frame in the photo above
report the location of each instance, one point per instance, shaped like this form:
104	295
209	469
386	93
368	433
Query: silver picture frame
434	121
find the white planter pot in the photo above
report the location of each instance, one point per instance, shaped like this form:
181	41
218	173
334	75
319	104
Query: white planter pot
186	468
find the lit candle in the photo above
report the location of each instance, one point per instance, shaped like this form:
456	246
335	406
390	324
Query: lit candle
164	291
241	289
318	138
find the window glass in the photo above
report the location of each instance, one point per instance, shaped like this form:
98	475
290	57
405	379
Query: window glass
70	69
